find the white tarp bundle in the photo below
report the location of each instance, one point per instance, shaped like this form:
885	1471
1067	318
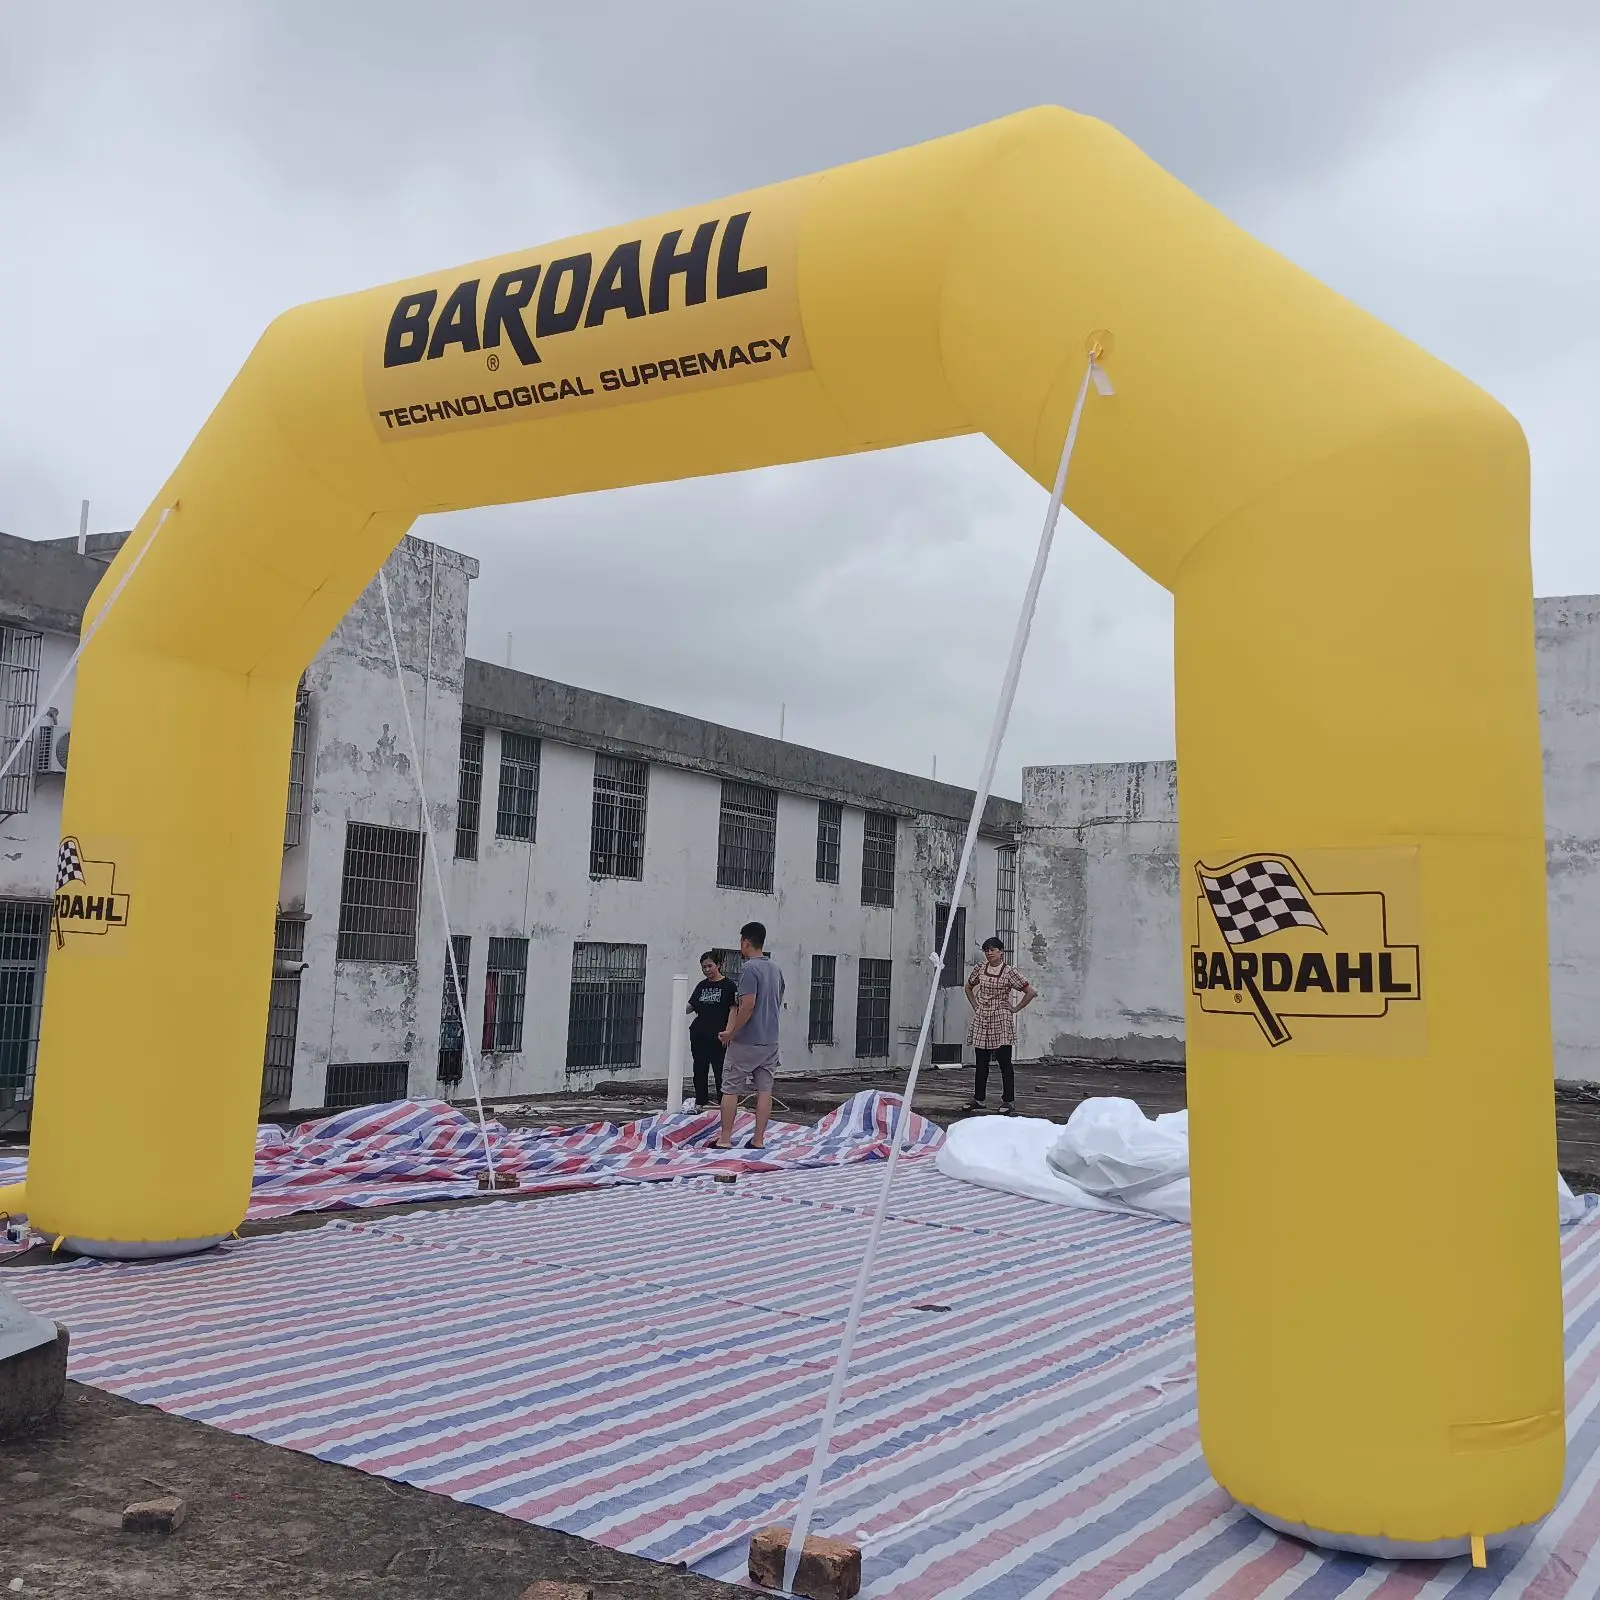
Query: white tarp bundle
1109	1157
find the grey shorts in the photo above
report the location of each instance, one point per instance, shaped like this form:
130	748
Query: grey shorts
749	1066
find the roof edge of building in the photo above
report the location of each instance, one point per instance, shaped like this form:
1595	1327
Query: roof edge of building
522	702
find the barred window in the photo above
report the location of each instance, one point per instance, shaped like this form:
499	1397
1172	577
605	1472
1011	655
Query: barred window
616	834
364	1083
605	1027
505	992
954	971
518	809
747	838
877	860
731	962
469	794
1005	896
24	940
820	1028
294	811
378	899
283	1010
19	701
872	1008
452	1029
830	825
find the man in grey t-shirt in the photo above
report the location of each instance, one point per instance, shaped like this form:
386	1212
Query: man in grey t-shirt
751	1037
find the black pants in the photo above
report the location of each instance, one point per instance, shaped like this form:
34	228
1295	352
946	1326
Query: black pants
1008	1078
708	1051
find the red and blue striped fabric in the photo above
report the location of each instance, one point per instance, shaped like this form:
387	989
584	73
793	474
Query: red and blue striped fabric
411	1150
414	1150
645	1367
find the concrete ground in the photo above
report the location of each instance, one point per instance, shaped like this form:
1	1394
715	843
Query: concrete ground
269	1523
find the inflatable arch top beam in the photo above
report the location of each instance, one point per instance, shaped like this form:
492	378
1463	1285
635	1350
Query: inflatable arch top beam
1343	523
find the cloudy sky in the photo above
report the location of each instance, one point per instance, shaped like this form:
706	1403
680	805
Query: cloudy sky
173	175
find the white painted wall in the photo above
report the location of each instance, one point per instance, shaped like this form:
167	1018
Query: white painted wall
1567	637
359	770
542	890
1098	922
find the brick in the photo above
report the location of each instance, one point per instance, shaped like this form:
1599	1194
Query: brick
830	1569
163	1515
32	1384
546	1590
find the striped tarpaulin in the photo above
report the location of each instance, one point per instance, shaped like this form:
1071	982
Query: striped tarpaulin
645	1367
408	1151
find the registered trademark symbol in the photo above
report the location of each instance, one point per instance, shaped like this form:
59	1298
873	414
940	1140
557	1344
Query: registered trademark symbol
494	363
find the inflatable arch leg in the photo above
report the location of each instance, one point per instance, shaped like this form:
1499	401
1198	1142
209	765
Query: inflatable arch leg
1343	522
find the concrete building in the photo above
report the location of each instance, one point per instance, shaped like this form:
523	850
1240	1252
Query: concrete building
1100	874
590	848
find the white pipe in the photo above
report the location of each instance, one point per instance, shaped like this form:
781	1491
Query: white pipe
677	1049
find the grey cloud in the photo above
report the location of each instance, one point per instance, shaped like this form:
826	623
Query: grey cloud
172	175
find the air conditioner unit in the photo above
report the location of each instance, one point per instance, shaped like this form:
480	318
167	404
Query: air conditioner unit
50	748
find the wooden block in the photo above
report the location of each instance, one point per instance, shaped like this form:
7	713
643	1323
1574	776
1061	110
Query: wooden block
163	1515
500	1180
830	1569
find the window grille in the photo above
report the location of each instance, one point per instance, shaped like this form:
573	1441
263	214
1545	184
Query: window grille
283	1011
1005	896
19	685
830	825
24	941
605	1027
747	838
378	899
452	1031
505	993
519	787
820	1028
294	811
954	971
872	1007
364	1083
731	962
616	835
469	794
877	860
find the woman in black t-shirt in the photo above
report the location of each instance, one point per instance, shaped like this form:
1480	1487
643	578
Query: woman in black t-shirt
709	1004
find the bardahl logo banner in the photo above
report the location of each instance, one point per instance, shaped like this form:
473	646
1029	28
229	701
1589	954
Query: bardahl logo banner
702	299
87	899
1319	949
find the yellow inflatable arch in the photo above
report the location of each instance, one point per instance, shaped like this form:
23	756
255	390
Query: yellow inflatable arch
1344	524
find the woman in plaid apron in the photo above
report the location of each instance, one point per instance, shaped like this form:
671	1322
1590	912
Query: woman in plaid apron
990	987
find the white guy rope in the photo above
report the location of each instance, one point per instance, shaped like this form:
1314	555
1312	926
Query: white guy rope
43	709
438	877
1092	373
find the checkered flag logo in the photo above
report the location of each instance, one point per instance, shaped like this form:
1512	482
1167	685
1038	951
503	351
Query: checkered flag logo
69	864
1256	899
